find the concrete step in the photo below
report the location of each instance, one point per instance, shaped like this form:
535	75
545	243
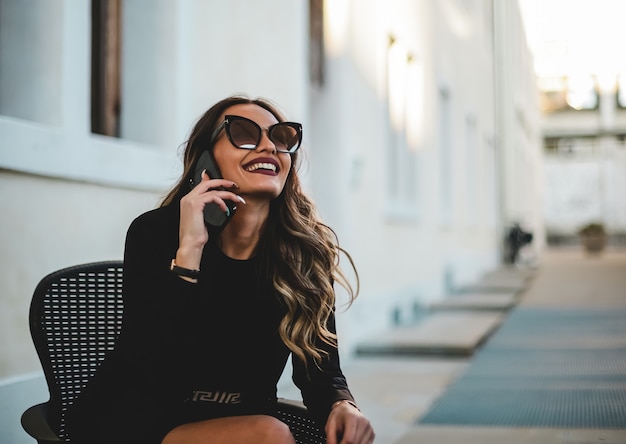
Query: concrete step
511	271
496	283
441	333
477	301
503	279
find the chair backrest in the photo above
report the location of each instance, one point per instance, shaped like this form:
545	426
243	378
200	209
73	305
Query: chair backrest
75	318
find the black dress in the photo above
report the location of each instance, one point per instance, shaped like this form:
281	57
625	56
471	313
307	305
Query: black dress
189	352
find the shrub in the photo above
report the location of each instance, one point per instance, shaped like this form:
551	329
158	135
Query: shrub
592	229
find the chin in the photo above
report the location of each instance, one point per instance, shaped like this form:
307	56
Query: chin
269	194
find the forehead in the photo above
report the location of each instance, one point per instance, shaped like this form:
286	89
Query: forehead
253	112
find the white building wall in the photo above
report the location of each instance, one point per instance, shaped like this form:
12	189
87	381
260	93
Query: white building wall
447	229
518	128
585	186
70	195
33	76
586	172
373	151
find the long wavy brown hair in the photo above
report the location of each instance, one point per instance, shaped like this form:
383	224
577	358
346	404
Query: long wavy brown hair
298	252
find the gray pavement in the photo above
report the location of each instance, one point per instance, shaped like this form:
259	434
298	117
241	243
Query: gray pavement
395	391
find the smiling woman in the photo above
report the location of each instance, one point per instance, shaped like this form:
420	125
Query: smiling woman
212	314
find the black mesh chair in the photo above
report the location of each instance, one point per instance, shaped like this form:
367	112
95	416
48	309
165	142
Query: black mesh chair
75	318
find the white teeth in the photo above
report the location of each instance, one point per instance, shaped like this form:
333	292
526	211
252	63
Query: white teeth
264	166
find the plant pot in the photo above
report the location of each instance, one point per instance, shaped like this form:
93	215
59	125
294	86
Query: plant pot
593	243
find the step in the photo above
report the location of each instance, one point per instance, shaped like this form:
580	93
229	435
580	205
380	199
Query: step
477	301
496	284
441	333
510	271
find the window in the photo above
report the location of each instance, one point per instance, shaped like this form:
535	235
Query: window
472	162
404	127
621	91
581	93
568	93
31	62
316	42
105	67
445	156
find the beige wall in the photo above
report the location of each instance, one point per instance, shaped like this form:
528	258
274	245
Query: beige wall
414	220
49	224
67	195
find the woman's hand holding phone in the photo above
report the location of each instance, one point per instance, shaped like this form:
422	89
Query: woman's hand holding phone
193	231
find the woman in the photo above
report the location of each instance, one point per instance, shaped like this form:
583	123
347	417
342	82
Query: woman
212	314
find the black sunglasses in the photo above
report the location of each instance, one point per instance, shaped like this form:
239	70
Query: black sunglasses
246	134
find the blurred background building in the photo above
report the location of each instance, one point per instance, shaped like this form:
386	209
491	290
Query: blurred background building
422	133
582	82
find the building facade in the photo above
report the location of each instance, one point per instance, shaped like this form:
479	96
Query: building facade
585	156
421	133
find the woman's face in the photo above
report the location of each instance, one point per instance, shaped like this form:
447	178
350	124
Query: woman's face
261	172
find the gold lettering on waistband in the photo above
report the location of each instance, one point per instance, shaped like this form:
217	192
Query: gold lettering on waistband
217	397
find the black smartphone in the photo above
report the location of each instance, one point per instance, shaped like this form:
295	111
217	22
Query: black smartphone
214	216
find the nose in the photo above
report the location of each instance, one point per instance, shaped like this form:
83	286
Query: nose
266	144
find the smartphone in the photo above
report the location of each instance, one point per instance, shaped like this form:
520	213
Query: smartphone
214	216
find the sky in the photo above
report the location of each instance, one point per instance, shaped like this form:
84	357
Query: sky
576	37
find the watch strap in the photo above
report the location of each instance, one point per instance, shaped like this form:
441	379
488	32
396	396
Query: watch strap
182	271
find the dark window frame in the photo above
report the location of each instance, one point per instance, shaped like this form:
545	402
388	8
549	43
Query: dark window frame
106	45
316	42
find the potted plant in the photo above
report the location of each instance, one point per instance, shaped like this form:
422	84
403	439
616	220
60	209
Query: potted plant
593	237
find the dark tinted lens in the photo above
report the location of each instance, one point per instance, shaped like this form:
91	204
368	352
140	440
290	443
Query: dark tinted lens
285	136
244	133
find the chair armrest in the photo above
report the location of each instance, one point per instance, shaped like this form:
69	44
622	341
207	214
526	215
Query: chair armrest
292	404
35	423
296	416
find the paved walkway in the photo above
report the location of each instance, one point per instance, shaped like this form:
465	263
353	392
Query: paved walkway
395	391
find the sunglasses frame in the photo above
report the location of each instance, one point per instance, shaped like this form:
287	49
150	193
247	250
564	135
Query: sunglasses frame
228	119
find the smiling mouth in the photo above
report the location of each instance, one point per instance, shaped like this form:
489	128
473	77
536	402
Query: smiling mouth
262	167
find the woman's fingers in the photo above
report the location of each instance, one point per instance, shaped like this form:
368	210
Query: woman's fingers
193	233
214	190
346	425
219	196
208	184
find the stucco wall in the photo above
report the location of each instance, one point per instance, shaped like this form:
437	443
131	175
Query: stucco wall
402	145
48	224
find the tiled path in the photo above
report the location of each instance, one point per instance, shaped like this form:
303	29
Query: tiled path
396	391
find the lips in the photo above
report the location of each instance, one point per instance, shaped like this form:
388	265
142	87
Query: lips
262	165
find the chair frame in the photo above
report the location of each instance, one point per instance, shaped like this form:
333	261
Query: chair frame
68	311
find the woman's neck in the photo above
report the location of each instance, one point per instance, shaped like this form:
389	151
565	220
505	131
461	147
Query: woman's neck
240	237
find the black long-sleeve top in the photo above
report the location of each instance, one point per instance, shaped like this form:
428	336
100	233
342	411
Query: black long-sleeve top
189	351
